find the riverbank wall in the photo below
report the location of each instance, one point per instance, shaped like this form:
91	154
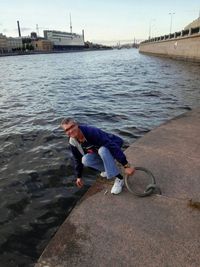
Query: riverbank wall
125	230
184	45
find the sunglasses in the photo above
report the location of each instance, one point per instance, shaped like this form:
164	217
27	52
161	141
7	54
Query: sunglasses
70	128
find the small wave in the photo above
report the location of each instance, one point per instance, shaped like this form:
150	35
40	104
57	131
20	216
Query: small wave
186	108
151	82
132	132
123	94
152	93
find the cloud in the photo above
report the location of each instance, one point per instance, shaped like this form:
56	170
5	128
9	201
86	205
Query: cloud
23	29
26	29
14	31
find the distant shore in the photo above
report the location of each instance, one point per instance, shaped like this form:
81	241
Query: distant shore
51	52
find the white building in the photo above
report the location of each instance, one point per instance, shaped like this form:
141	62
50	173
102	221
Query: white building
64	40
14	43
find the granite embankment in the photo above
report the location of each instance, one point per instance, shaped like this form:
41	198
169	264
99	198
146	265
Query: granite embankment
125	230
184	48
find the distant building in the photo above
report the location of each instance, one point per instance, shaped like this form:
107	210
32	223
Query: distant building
42	45
33	35
3	44
9	44
64	40
194	24
14	43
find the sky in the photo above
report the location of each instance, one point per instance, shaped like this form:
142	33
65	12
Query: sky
103	21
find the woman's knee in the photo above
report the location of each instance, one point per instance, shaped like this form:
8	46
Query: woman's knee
102	151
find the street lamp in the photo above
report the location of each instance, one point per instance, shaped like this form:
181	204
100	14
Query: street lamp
171	14
150	25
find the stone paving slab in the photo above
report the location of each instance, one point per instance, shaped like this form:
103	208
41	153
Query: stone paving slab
107	230
177	176
125	230
172	153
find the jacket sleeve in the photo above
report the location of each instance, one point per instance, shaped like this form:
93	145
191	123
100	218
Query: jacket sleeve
77	161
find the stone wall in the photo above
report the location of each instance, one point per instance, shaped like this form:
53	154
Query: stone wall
186	48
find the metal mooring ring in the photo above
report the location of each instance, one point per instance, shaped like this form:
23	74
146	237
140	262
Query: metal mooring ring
150	189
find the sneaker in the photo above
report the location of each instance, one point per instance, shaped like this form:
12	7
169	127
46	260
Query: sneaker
103	174
117	187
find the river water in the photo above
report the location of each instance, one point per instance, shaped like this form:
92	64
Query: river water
120	91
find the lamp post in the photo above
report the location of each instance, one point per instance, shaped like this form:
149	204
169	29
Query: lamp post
150	25
171	14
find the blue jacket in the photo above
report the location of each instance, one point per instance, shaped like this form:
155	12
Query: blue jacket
98	138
